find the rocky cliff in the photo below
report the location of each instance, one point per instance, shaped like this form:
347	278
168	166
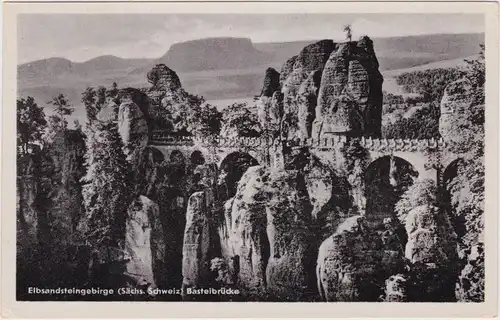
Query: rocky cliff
49	208
145	243
462	127
328	88
169	102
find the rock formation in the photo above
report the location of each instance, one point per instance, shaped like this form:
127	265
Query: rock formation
354	262
145	243
49	208
328	88
431	248
269	113
169	101
271	83
312	58
350	97
306	100
471	282
286	69
244	235
195	251
430	239
457	98
291	238
275	221
132	124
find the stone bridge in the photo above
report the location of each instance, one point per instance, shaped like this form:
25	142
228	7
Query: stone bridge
418	153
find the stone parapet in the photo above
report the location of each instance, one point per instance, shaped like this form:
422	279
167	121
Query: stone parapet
408	145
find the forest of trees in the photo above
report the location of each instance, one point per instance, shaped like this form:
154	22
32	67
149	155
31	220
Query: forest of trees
430	83
423	124
428	88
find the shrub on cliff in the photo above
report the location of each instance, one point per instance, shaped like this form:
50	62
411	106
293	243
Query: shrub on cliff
95	99
204	120
239	120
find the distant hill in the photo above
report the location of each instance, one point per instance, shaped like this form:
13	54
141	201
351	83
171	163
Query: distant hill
390	83
214	54
224	68
398	52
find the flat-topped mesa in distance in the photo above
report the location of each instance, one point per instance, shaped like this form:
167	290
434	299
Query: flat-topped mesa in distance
214	54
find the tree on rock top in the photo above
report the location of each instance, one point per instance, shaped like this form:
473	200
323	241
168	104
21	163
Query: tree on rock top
57	121
348	32
30	124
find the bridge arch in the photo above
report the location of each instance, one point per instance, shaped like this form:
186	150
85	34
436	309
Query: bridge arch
154	155
385	180
450	169
197	158
231	169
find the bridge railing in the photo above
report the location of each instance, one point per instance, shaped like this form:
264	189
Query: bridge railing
160	138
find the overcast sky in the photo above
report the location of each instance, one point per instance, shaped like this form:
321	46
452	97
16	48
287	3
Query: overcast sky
80	37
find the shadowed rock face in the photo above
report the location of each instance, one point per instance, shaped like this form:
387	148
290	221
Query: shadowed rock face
145	242
432	250
286	69
291	237
329	88
470	285
163	78
245	235
269	108
354	262
306	101
457	98
312	58
132	126
49	208
195	252
351	74
271	83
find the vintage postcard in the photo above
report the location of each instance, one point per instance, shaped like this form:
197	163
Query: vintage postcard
270	159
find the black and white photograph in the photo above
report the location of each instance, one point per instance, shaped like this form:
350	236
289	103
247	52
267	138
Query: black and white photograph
245	157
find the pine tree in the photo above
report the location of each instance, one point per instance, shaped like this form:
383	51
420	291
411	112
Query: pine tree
88	99
57	121
108	188
348	32
31	124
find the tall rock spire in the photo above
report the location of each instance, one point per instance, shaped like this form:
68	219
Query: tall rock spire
351	85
